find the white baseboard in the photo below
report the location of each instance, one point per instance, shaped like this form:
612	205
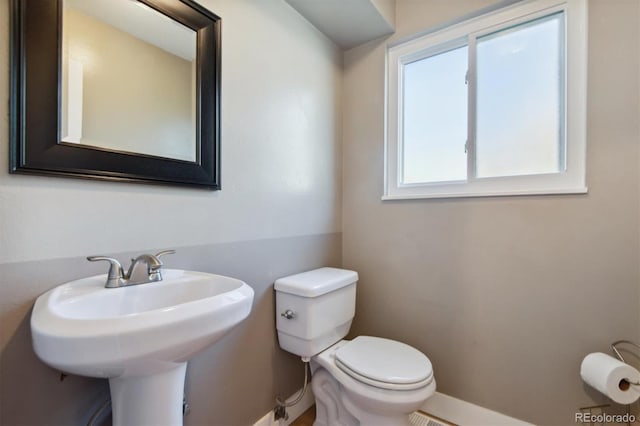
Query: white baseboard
294	412
465	413
440	405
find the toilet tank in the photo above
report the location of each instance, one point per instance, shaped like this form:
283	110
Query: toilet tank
314	309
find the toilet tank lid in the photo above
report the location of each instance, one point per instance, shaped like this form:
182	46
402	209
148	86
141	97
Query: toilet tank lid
317	282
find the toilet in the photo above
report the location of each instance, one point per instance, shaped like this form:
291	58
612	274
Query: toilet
364	381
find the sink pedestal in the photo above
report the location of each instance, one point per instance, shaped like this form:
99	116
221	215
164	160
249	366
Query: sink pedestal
155	399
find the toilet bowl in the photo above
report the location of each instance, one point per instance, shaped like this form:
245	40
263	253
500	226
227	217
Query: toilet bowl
365	381
383	388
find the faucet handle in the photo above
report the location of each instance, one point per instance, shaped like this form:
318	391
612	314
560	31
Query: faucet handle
162	253
115	275
155	273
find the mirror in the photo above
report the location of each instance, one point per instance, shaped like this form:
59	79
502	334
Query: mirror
116	89
118	56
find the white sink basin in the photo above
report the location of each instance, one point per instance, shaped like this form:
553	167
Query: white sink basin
134	333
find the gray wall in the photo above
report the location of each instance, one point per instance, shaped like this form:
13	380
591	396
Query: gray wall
281	155
278	213
505	295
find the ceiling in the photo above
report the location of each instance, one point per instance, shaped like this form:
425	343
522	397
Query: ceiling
349	23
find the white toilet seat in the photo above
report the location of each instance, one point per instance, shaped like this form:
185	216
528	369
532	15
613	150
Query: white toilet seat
384	363
370	401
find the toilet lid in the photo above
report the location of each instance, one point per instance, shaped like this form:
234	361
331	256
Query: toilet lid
384	363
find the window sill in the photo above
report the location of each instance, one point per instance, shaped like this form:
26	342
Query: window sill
560	191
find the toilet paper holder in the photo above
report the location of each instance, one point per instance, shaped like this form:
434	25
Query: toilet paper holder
619	355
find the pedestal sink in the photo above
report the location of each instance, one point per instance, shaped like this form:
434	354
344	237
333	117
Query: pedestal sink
139	337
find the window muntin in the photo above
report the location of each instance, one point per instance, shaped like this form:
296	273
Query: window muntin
561	167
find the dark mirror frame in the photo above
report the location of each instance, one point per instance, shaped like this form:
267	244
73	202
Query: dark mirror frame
35	92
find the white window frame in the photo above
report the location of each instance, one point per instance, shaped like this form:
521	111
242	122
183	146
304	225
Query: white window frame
568	181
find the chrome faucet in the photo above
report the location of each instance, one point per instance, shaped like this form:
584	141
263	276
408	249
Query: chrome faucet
146	268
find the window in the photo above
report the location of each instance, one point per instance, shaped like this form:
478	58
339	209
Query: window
495	105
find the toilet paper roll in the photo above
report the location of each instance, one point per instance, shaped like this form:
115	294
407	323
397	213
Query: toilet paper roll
611	377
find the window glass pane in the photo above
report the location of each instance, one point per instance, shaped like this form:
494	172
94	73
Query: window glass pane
519	102
435	118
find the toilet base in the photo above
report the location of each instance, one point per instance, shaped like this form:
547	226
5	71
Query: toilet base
337	406
330	410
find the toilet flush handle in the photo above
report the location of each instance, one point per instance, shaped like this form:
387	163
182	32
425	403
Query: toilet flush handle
288	314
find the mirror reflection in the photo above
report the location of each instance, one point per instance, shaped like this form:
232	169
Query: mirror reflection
128	79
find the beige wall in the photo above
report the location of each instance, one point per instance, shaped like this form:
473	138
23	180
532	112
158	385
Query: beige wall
505	295
125	77
279	212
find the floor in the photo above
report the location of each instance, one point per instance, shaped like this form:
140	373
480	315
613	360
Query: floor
307	418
